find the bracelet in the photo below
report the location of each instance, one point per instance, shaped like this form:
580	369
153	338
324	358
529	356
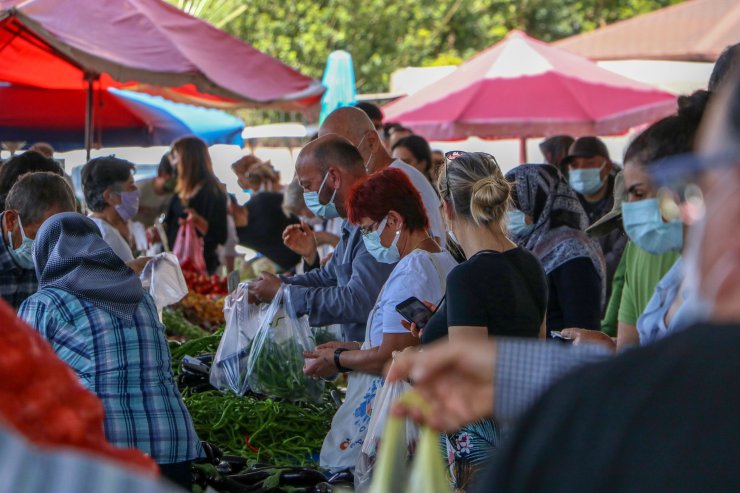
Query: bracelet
337	352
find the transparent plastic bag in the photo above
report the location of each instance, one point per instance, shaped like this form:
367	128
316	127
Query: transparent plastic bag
381	412
275	365
188	248
163	278
229	368
327	333
427	473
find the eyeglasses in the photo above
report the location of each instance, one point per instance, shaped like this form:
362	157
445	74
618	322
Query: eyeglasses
366	230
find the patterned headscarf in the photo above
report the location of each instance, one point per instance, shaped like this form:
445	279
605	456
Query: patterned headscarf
71	255
542	193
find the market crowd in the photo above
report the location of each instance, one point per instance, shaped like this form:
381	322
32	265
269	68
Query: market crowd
582	314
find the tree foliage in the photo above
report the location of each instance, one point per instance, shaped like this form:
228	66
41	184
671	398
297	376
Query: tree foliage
383	35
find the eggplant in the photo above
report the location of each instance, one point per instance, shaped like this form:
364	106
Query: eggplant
301	476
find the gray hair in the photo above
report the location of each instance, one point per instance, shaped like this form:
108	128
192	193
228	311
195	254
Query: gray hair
293	198
34	194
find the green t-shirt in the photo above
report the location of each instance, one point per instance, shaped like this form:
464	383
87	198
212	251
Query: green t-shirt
642	272
609	324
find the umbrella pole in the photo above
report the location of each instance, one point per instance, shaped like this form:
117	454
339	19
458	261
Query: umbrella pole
522	150
89	116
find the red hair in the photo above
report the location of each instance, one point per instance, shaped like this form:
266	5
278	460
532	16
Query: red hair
385	191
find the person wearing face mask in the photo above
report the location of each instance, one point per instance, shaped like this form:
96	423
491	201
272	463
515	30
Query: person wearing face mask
388	211
313	236
653	293
354	125
342	291
155	193
113	199
549	221
31	201
500	289
592	175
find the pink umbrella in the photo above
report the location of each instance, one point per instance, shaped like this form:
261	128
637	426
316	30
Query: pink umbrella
521	88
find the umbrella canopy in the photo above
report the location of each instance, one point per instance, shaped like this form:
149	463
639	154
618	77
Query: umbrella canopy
123	118
58	44
693	31
339	81
523	88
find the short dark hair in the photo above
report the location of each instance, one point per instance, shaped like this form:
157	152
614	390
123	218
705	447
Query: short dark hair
338	151
28	162
557	144
165	166
34	194
101	173
389	128
418	146
371	110
727	61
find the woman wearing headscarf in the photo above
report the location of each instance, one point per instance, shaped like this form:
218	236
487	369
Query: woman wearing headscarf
98	319
549	221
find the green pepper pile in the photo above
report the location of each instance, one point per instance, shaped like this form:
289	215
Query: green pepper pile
277	432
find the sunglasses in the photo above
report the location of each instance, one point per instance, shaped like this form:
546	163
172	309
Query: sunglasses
452	155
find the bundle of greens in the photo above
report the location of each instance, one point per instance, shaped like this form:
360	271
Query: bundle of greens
176	325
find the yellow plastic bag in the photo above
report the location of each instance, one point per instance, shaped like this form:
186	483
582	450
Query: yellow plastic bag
427	472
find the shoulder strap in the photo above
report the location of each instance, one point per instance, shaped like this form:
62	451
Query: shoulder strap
438	268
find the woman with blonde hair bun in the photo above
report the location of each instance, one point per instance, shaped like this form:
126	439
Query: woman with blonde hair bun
500	290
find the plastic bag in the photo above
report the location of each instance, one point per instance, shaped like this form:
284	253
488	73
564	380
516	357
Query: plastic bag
189	248
327	333
275	365
162	276
427	472
381	412
229	368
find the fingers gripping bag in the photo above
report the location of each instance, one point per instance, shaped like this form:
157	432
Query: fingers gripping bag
162	277
229	368
381	413
188	248
276	362
427	471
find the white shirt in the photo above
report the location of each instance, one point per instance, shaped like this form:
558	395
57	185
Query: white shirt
428	196
415	275
114	239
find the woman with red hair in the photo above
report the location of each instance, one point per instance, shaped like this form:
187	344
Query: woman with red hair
389	211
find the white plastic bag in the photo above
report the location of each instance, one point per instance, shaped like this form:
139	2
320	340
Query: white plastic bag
275	366
163	278
229	368
381	411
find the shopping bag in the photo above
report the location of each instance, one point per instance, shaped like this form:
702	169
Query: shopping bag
275	365
189	248
381	412
327	333
229	367
392	472
162	277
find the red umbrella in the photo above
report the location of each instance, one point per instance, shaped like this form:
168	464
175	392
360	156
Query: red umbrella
68	44
521	88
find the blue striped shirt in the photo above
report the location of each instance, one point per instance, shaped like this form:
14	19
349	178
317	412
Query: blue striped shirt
16	284
127	365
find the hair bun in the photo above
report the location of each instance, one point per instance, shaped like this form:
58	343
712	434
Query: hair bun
692	107
488	199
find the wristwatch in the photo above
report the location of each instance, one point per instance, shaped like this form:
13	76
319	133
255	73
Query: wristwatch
337	352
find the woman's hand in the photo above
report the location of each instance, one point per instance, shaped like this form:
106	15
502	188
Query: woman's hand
320	363
411	326
138	264
586	336
200	222
265	288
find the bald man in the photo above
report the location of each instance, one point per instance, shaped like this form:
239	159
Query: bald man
345	289
355	126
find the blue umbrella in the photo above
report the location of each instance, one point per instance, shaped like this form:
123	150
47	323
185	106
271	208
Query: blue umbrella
339	81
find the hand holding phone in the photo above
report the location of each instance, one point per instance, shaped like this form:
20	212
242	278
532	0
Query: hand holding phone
415	312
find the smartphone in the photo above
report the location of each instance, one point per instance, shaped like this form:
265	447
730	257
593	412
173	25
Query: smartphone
415	311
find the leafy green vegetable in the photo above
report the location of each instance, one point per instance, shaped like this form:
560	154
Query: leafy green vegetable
176	324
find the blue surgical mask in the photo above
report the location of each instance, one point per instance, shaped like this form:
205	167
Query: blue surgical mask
129	205
586	181
383	254
516	223
250	191
23	255
645	226
326	211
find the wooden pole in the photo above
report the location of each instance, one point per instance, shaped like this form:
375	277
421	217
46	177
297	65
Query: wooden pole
522	150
